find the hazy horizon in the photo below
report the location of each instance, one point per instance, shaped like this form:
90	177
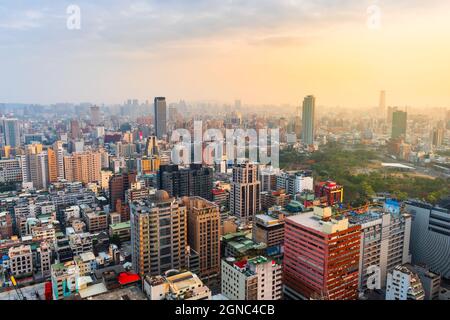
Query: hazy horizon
264	52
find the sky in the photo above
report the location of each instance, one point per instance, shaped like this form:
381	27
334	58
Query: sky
260	51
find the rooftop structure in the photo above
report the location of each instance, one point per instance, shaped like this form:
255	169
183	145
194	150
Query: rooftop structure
180	286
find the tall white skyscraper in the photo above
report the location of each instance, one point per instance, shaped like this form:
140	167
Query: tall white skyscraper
309	110
160	117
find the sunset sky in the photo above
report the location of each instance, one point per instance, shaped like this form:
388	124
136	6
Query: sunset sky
260	51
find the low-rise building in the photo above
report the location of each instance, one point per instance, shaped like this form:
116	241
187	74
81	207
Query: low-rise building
403	283
181	286
121	230
65	279
21	261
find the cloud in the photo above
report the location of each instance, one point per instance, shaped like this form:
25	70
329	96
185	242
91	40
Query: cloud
26	20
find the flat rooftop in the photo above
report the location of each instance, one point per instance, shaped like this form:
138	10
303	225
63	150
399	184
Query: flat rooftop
121	225
128	293
307	219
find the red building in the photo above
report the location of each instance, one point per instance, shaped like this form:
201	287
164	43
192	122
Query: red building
332	192
321	258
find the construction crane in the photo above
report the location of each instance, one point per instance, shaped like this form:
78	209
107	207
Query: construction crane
19	292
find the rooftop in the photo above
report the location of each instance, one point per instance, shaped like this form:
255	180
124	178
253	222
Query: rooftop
128	293
122	225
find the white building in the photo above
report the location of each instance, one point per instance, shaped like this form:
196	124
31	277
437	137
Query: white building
295	182
258	278
404	284
385	236
181	286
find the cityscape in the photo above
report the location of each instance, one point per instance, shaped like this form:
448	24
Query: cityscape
184	195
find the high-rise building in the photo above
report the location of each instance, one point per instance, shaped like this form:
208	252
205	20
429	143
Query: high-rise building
75	131
308	120
430	236
11	132
59	154
245	192
258	278
34	166
151	146
83	167
118	186
385	236
403	283
95	116
399	124
196	180
204	234
268	178
160	117
52	166
148	165
321	257
158	234
437	136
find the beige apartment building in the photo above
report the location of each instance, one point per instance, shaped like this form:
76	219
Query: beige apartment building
158	234
204	234
83	167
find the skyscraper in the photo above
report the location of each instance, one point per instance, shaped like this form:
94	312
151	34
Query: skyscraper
245	192
158	234
160	117
118	186
84	167
308	118
11	132
399	120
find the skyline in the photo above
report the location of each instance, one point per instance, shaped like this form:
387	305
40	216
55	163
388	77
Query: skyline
264	52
